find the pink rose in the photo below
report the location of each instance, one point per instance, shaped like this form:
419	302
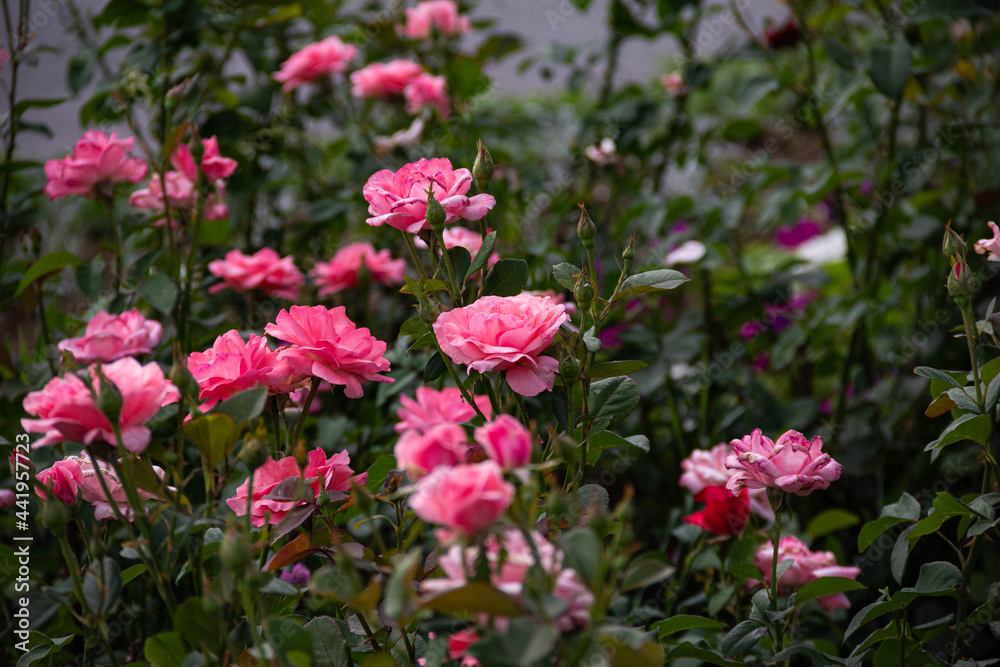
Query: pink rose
181	184
341	272
214	166
466	498
793	464
384	79
430	14
437	407
505	334
62	480
332	474
674	83
808	566
232	365
111	337
264	270
459	644
400	199
328	345
97	163
506	441
92	491
990	247
442	445
319	59
461	237
707	468
427	90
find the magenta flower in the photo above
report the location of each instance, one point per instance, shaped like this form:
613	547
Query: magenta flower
990	247
341	272
506	441
315	61
793	237
97	163
793	464
265	270
181	184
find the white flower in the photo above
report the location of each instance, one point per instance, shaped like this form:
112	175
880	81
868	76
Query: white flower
688	252
827	248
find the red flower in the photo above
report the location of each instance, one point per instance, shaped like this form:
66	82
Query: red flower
724	513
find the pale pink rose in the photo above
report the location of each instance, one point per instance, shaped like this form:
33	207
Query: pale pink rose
325	343
341	272
97	163
557	297
506	441
110	337
400	199
384	79
807	566
443	15
705	468
232	365
92	491
793	464
333	475
427	90
990	247
433	407
674	83
214	166
604	153
505	334
265	270
440	446
466	498
317	60
62	480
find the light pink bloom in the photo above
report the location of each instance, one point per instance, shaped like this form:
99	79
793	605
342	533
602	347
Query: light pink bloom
317	60
793	464
466	498
705	468
604	153
429	14
506	441
505	334
232	365
111	337
92	491
674	83
214	166
400	199
328	345
384	79
427	90
341	272
97	163
434	407
990	247
333	475
440	446
62	480
808	566
265	270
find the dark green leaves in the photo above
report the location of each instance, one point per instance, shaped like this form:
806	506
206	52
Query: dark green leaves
612	400
483	256
650	281
890	68
244	406
824	586
508	277
46	266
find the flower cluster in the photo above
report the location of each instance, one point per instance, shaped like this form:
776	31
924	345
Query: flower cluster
181	184
430	15
75	477
402	77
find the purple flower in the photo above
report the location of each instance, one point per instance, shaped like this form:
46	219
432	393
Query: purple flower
793	237
297	576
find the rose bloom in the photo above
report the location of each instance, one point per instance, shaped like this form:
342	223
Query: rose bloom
62	480
341	272
181	184
505	334
317	60
506	441
384	79
466	498
705	468
441	446
213	165
808	566
427	90
97	163
78	473
233	365
332	474
459	644
328	345
67	412
990	247
443	15
264	270
433	407
110	337
793	464
724	513
400	199
674	83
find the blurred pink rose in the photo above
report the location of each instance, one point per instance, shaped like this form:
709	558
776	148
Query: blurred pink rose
990	247
62	480
214	166
429	14
458	645
265	270
705	468
92	491
506	441
341	272
674	83
466	498
400	199
328	345
808	566
97	163
440	446
332	474
505	334
427	90
314	61
793	464
434	407
110	337
182	183
384	79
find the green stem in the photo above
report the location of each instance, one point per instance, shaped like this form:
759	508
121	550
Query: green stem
313	388
413	253
456	290
774	577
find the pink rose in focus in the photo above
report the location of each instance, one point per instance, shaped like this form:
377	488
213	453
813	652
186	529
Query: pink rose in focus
506	441
440	446
466	498
110	337
264	270
97	163
328	345
384	79
427	90
341	272
990	247
793	464
62	480
706	468
505	334
808	566
314	61
443	15
400	199
433	407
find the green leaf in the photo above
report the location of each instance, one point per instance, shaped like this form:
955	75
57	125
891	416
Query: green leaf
703	653
818	588
435	368
90	277
681	623
46	266
102	586
613	399
483	256
900	554
937	578
565	273
890	68
81	69
24	105
33	655
906	507
650	281
609	369
132	572
871	530
508	277
830	521
646	571
609	440
461	262
215	436
198	626
743	637
399	588
583	551
473	597
160	291
967	427
165	650
935	374
244	406
329	643
748	571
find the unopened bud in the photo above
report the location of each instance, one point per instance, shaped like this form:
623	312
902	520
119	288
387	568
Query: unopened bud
960	284
776	497
586	229
628	254
392	481
254	452
584	295
236	552
55	516
569	368
436	215
952	245
482	168
301	454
